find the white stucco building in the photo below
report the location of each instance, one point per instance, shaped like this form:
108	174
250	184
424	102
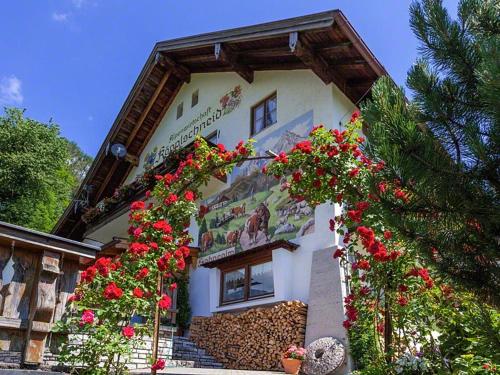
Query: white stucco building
270	82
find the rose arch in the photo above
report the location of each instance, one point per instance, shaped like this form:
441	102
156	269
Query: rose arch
388	287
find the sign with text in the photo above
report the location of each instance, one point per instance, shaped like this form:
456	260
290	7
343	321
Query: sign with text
204	120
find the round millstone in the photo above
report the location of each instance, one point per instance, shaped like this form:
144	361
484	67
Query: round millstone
323	356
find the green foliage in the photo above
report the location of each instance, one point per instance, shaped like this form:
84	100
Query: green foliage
444	145
39	170
184	314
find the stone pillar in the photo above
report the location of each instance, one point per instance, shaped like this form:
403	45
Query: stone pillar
326	295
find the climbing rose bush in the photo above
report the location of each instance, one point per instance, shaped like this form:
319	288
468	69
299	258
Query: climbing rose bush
396	313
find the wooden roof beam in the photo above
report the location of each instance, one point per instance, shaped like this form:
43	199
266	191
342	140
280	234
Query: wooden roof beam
179	70
150	104
227	57
310	59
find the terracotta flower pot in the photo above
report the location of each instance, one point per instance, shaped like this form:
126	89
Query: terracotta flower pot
291	366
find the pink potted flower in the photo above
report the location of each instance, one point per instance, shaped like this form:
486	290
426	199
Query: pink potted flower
292	359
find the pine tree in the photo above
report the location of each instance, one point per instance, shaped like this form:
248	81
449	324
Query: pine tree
444	144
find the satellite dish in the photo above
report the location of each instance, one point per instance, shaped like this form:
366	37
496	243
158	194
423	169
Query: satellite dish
118	150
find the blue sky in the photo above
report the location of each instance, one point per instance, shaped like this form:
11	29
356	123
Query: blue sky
74	61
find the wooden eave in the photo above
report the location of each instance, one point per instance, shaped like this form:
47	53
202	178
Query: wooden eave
261	250
14	235
325	43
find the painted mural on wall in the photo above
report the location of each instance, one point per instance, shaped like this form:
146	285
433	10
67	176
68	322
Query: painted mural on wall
227	103
254	211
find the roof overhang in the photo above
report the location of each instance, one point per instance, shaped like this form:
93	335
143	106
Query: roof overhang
14	235
325	43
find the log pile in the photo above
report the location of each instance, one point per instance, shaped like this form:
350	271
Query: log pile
254	339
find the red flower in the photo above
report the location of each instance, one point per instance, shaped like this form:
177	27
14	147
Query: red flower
74	297
172	286
338	253
355	215
380	327
332	182
304	146
403	288
102	265
387	234
347	324
137	292
138	248
296	176
189	195
317	184
402	301
137	232
400	194
137	205
158	365
163	226
281	158
165	302
112	291
354	172
128	332
185	250
367	236
364	291
332	225
355	115
363	264
170	199
181	264
142	274
89	274
87	317
164	262
382	187
221	147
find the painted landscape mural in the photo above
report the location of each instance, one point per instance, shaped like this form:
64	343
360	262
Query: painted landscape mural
253	211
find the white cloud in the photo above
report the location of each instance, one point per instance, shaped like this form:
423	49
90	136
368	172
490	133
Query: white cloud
60	17
11	90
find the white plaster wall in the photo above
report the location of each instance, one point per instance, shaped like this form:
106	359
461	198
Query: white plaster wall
297	93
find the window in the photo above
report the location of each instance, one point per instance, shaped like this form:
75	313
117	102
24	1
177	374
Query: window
213	137
194	99
264	114
247	282
180	110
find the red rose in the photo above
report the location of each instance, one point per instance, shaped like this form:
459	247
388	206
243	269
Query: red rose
128	332
355	115
137	292
338	253
137	205
163	225
363	264
170	199
347	324
181	264
189	195
172	286
165	302
402	301
185	250
354	215
296	176
317	184
158	365
102	265
142	274
354	172
387	234
112	291
88	275
138	248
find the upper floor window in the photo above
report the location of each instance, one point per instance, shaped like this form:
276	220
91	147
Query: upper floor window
194	98
264	114
180	110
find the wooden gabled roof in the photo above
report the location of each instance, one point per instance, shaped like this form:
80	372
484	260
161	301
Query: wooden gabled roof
325	42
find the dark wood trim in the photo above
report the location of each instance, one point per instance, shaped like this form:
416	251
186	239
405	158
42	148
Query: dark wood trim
248	254
252	113
223	54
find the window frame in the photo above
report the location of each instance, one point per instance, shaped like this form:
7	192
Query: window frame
180	110
254	107
195	94
246	292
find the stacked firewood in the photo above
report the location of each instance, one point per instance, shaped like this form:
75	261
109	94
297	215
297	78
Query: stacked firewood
253	340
